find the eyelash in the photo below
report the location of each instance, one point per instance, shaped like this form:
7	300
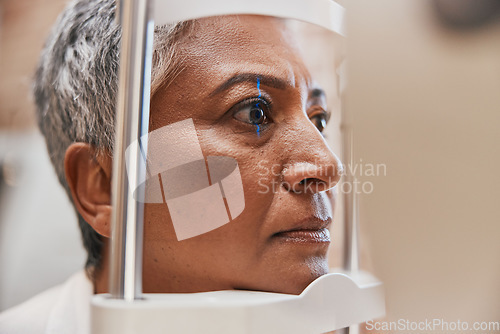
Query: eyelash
325	116
266	105
263	103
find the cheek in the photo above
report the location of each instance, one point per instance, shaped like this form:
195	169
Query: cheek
259	179
158	225
261	172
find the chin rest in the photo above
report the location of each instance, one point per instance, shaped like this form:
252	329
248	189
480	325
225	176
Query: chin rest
333	301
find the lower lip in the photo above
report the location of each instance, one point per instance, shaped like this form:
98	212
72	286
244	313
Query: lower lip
306	236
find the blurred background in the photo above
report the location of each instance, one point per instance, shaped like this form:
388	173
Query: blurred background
39	238
422	95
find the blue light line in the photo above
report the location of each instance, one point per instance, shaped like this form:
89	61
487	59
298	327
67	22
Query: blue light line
260	94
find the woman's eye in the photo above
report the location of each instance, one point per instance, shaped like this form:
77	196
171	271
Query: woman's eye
253	112
319	121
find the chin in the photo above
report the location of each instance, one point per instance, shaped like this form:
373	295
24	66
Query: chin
308	277
295	278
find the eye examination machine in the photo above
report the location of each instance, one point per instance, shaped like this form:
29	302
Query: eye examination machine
214	169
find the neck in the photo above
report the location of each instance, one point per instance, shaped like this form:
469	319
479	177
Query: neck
101	276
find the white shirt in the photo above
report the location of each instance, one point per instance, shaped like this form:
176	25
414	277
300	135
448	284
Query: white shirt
64	309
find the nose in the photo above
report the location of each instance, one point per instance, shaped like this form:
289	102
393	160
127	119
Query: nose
312	167
306	177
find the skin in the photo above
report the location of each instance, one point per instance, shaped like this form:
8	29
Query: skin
285	168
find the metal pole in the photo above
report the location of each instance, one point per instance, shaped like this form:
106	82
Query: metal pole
351	214
132	119
350	199
351	237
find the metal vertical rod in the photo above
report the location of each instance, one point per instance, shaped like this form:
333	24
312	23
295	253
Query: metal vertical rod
132	119
350	261
351	225
350	198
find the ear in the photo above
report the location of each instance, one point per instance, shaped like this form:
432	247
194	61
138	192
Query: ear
89	179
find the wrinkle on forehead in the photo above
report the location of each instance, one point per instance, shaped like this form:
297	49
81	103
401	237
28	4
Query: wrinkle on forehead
231	44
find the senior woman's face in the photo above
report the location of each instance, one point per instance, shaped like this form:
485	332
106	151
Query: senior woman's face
251	98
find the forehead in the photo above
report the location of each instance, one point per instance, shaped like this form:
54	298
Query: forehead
243	43
214	50
243	29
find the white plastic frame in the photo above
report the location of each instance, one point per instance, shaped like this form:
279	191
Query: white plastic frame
325	13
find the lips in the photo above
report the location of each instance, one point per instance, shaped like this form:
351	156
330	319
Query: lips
306	236
309	231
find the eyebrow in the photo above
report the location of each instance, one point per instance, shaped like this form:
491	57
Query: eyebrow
317	92
266	80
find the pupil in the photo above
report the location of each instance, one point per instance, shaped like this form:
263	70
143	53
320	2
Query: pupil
256	115
320	123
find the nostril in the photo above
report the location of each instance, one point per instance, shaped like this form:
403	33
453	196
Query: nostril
311	180
310	185
307	177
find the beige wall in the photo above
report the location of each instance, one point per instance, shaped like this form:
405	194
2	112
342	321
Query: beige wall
426	103
24	26
34	210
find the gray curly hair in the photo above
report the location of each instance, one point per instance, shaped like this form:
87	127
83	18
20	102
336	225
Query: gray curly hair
76	85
